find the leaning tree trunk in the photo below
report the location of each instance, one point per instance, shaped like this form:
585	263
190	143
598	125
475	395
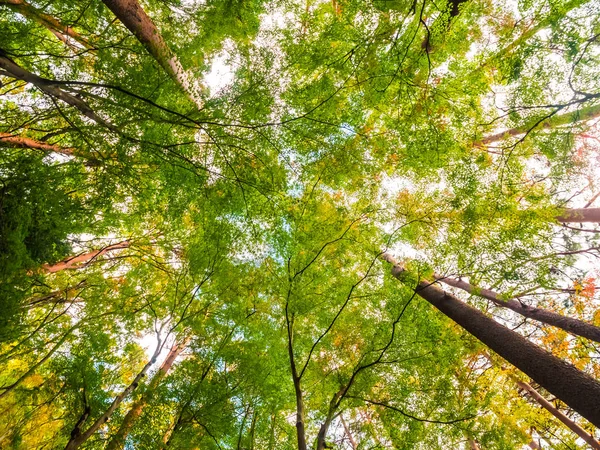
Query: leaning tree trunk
83	259
580	215
589	113
569	324
593	443
50	87
12	140
118	440
135	19
574	387
78	438
55	26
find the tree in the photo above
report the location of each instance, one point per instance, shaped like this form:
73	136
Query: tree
227	174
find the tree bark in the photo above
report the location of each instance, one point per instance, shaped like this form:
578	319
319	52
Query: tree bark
76	441
589	113
11	140
580	215
118	440
569	324
83	259
50	88
577	389
593	443
135	19
56	27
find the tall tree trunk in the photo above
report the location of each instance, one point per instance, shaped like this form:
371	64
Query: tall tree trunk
118	440
11	140
588	113
135	19
577	389
593	443
569	324
333	404
580	215
56	27
78	439
50	88
83	259
349	434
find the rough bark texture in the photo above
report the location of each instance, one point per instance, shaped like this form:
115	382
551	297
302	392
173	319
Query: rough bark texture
118	440
569	324
56	27
593	443
577	389
580	215
81	260
76	441
135	19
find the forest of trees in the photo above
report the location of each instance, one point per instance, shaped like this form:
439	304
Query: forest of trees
299	224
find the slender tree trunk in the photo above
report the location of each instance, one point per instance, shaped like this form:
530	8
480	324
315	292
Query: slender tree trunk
580	215
577	389
77	440
569	324
589	113
118	440
50	88
349	434
300	429
11	140
58	296
593	443
60	30
333	405
473	445
135	19
83	259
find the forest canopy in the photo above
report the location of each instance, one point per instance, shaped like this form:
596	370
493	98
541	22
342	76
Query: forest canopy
239	224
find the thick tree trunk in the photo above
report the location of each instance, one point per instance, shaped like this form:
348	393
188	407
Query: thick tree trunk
577	389
118	440
77	440
60	30
593	443
589	113
135	19
50	88
580	215
83	259
569	324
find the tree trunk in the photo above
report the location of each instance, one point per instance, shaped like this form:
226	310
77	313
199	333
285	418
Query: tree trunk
349	434
593	443
569	324
11	140
577	389
589	113
50	88
60	30
76	441
118	440
135	19
580	215
83	259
